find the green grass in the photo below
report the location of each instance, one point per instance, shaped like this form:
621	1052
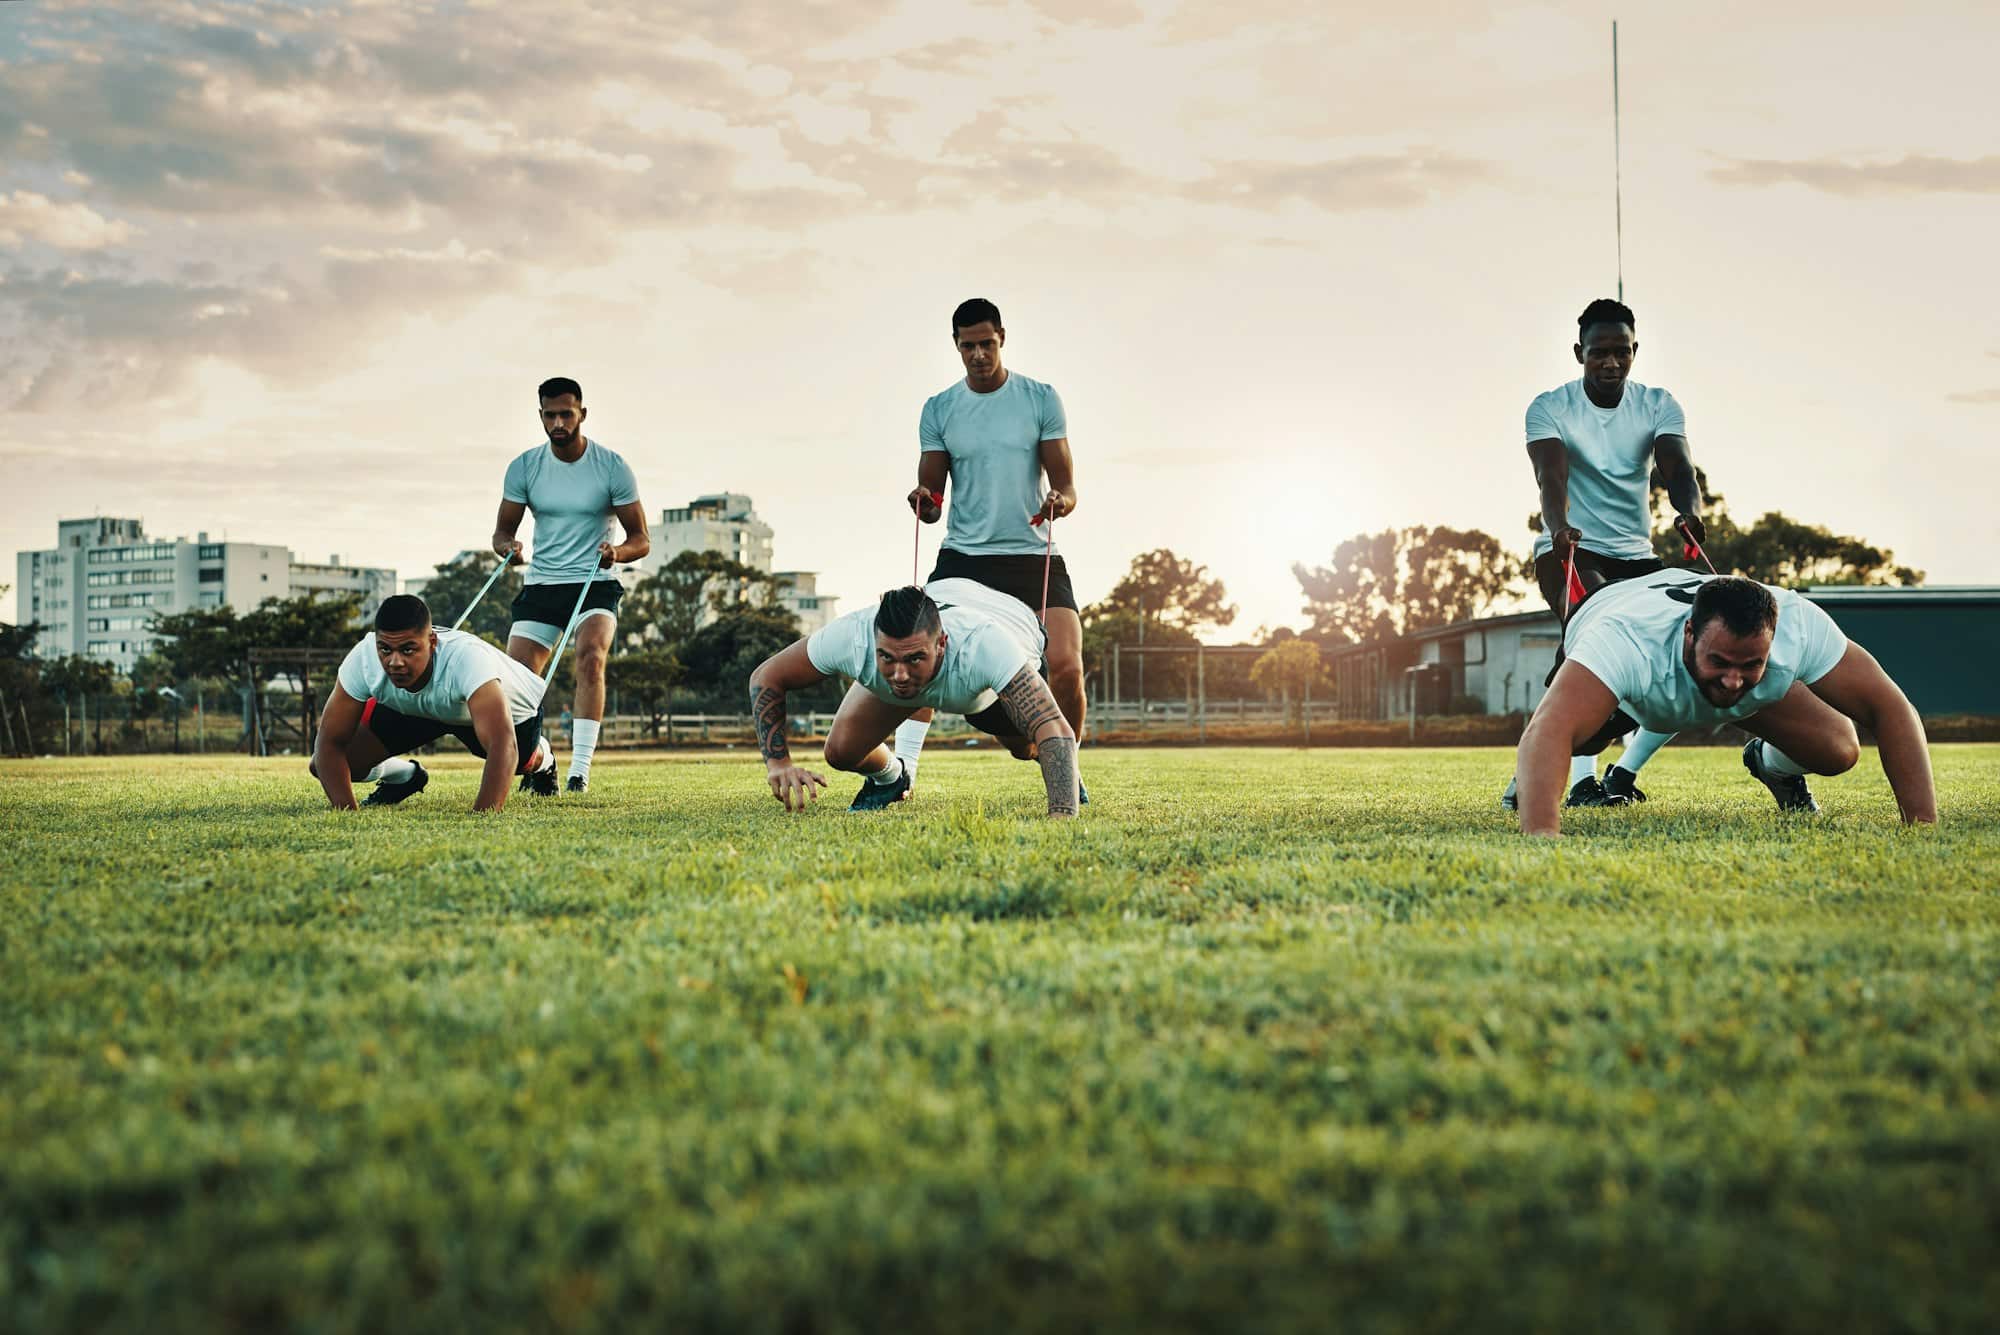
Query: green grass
1269	1040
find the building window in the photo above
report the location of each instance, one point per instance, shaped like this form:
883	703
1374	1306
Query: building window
210	575
210	551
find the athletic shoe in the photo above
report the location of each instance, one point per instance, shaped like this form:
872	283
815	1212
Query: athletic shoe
875	796
387	794
541	782
1621	787
1511	799
1790	789
577	784
1082	794
1587	792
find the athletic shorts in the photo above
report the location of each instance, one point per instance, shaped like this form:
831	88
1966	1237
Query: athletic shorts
542	610
403	733
1593	570
1017	576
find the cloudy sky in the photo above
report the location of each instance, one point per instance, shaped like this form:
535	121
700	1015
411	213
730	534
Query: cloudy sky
292	270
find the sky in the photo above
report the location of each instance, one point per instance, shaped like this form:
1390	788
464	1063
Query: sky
291	271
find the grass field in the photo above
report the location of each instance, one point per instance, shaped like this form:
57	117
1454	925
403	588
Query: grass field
1268	1040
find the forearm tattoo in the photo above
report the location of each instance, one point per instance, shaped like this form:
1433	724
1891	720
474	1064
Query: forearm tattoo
767	707
1058	760
1028	702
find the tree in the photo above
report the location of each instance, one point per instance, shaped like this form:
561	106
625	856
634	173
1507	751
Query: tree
646	678
303	622
1291	668
203	642
670	605
458	582
719	657
1386	584
1170	592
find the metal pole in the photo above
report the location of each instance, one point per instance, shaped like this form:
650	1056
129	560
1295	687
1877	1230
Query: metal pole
27	731
7	722
65	723
1617	161
200	720
1201	690
1309	703
83	707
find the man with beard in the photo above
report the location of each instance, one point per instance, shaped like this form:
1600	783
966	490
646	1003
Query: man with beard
1681	650
575	486
956	646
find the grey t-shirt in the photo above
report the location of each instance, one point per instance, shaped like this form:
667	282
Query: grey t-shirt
989	638
572	505
994	441
462	664
1610	462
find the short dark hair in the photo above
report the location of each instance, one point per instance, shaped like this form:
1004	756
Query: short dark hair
1605	311
557	386
1744	606
402	611
976	311
907	611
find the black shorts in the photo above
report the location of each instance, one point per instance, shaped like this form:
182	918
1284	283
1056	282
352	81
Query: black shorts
551	604
1593	570
1017	576
403	733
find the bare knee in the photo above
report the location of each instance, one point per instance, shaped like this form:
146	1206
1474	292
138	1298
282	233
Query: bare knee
1066	675
1845	752
842	755
590	661
312	768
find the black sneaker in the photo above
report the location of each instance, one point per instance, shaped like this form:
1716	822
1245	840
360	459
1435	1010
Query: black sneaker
1621	787
1586	792
387	794
875	796
1790	789
1511	799
541	782
577	784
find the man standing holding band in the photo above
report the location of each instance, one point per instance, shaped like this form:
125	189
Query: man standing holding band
575	486
994	435
1594	444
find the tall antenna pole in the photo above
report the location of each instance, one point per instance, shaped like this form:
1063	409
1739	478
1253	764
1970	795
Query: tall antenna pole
1617	161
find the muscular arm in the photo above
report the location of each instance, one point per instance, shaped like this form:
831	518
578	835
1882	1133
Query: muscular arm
1061	468
933	471
338	723
1575	707
1027	702
1670	456
495	732
1551	460
790	669
638	543
506	525
1860	689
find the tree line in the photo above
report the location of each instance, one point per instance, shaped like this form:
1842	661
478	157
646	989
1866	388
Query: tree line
691	631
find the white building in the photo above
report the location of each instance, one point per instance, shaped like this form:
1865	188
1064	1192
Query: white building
799	591
98	589
725	523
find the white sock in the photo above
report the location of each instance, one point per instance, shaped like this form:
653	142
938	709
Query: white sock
1581	768
396	769
887	774
1777	762
544	757
1641	748
582	745
910	743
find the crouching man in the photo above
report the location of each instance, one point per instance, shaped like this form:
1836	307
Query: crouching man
407	685
959	647
1677	650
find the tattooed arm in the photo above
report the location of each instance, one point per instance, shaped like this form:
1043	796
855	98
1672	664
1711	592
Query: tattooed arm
1028	703
787	670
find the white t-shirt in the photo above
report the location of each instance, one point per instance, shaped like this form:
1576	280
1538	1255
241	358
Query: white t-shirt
994	441
462	664
1629	635
1610	462
573	505
989	638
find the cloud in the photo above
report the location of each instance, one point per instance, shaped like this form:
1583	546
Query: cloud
1913	174
1377	181
26	216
